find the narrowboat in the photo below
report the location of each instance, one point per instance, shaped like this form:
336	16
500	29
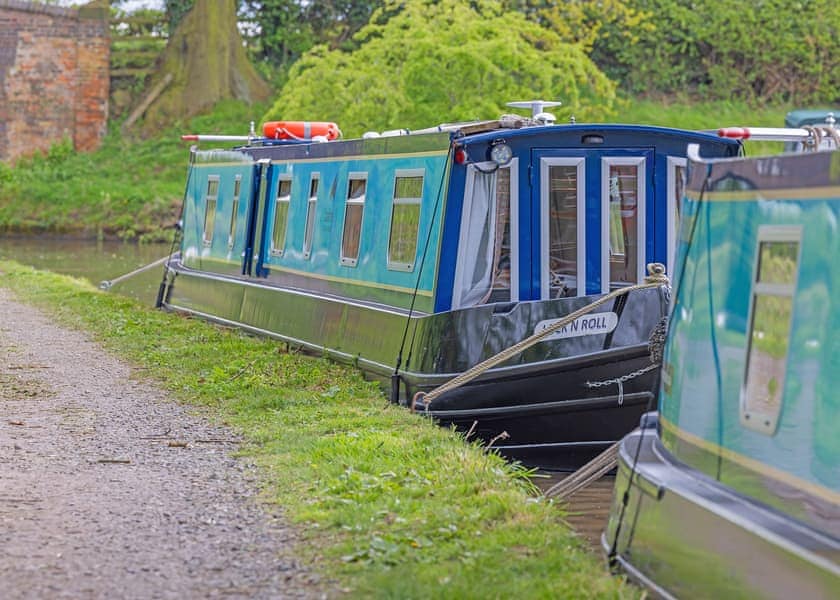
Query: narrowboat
732	489
417	254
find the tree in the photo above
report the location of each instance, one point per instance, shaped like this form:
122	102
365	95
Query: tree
420	63
207	63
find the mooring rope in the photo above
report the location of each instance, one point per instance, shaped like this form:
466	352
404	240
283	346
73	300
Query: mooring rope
591	471
656	278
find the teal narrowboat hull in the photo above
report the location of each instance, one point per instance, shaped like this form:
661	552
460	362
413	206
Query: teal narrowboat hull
684	534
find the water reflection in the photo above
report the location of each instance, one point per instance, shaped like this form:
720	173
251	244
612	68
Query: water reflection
95	261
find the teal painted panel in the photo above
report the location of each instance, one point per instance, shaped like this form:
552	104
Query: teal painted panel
709	328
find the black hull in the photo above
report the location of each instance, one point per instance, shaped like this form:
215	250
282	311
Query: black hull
553	419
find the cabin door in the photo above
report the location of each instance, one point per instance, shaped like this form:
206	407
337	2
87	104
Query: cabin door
252	257
589	220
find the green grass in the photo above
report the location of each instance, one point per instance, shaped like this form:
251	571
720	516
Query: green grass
389	505
132	188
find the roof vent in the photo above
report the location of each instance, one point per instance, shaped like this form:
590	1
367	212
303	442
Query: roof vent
537	113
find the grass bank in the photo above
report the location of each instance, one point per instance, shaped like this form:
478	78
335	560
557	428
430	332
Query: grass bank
131	188
390	505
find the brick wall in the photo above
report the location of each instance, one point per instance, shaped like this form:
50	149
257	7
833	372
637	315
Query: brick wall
53	76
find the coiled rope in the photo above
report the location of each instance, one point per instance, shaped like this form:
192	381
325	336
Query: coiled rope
656	278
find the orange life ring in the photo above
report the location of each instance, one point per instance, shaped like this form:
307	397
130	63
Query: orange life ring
300	130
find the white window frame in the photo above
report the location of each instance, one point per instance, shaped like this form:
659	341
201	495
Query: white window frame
287	200
460	271
766	423
641	213
405	173
207	240
545	163
311	208
234	208
353	176
674	162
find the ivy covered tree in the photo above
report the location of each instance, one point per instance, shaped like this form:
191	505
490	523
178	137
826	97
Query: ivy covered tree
419	63
205	63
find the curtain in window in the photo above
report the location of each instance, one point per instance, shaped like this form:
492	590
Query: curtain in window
478	226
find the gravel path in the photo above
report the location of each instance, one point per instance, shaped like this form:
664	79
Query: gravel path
109	490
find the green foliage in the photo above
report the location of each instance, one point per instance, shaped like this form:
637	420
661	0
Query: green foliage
765	50
421	63
128	188
280	32
388	504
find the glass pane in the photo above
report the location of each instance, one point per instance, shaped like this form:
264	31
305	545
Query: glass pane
213	187
352	231
766	361
233	212
409	187
502	256
405	222
562	230
313	187
623	191
777	262
278	233
310	224
209	220
357	189
284	188
237	184
679	192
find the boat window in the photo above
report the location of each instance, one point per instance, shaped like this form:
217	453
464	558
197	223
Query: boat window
405	219
771	312
234	210
281	214
486	267
623	199
210	208
311	205
562	201
353	212
676	191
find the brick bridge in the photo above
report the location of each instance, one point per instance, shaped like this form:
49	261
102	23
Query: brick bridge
53	76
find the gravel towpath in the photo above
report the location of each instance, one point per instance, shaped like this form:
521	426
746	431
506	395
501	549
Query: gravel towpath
109	490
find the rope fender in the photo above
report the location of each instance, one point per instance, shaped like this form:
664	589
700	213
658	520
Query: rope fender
656	278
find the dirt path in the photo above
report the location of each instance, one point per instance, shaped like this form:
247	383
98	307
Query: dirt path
99	500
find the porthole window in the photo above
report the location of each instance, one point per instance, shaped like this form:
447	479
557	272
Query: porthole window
354	209
771	313
210	208
405	219
281	215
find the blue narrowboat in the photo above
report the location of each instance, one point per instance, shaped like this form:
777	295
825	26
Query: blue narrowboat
416	255
732	490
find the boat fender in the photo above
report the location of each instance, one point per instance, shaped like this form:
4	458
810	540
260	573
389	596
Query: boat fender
300	130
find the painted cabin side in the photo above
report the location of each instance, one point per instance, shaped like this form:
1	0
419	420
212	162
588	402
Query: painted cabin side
757	305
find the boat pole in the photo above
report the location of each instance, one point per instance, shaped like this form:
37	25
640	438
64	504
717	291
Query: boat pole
107	283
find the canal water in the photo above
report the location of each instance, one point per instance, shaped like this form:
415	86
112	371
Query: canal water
587	510
91	260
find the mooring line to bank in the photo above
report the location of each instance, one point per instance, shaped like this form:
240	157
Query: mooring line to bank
656	278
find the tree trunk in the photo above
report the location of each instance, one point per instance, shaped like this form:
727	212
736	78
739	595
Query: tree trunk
207	62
